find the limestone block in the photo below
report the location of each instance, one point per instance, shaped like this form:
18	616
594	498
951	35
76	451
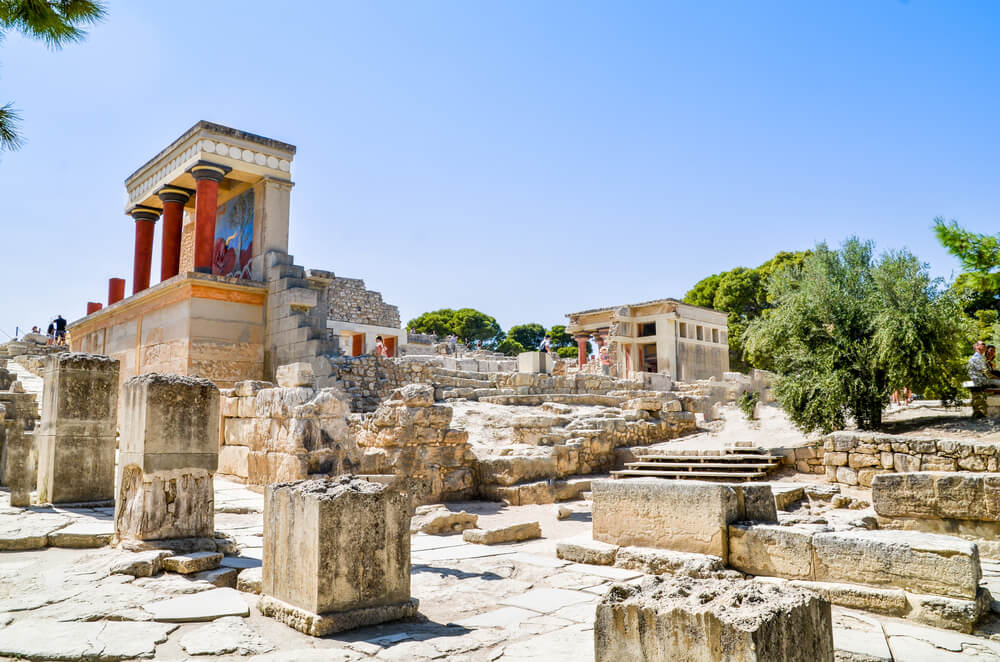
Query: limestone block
164	504
512	533
534	363
771	550
18	470
335	545
229	406
867	475
686	516
835	459
250	388
711	620
903	462
584	549
650	561
412	395
187	564
280	402
756	503
847	476
888	601
940	495
169	422
918	562
937	463
76	441
438	520
295	374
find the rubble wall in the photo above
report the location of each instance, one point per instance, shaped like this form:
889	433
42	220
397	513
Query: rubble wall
351	302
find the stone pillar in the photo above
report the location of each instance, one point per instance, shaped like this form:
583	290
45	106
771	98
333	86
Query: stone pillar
336	555
116	290
207	177
145	223
168	452
17	471
581	344
93	307
76	441
174	198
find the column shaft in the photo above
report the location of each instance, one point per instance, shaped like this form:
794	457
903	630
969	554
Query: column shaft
143	254
207	177
173	199
116	290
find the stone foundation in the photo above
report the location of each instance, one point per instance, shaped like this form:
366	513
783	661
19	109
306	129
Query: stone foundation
76	441
712	621
337	551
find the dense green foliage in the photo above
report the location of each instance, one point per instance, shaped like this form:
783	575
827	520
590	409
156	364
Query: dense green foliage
466	323
742	294
559	336
980	257
510	347
568	352
54	22
846	329
529	335
747	402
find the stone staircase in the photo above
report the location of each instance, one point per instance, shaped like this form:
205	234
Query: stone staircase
733	464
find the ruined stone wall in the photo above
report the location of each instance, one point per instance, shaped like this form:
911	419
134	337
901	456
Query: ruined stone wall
351	302
855	458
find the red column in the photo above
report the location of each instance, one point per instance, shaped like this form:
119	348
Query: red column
93	307
116	290
581	344
207	177
173	199
145	222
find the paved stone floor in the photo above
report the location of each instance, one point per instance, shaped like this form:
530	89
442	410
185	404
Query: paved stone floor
508	603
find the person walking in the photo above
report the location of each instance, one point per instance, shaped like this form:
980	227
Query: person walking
546	344
605	359
60	330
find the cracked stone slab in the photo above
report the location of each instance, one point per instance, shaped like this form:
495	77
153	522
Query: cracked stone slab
37	639
225	635
187	564
86	533
205	606
547	600
29	530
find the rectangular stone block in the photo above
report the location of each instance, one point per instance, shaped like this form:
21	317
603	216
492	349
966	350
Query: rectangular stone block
938	495
686	516
917	562
534	363
336	545
771	550
711	620
76	441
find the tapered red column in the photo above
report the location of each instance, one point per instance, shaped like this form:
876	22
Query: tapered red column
145	223
581	352
174	199
93	307
207	177
116	290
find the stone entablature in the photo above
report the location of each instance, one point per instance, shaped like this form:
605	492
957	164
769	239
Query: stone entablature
244	152
855	458
351	302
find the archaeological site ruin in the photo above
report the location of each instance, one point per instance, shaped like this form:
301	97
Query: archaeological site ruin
252	459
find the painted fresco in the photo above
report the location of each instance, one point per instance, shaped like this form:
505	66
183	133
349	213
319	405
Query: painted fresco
234	237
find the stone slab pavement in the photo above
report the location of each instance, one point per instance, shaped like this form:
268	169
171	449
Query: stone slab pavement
478	603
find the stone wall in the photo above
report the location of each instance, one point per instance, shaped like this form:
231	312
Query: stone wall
855	458
351	302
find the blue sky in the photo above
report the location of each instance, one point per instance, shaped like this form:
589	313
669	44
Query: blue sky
524	158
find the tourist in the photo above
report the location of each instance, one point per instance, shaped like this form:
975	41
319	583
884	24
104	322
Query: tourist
51	333
452	344
605	361
991	356
380	347
979	369
60	330
546	344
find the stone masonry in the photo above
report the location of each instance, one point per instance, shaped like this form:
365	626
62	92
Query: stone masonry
336	555
351	302
76	442
168	454
710	620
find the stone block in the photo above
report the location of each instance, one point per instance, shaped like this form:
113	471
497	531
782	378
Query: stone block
585	549
686	516
187	564
438	520
233	461
847	476
534	363
336	553
76	441
412	395
295	374
938	495
888	601
650	561
917	562
771	550
903	462
711	620
756	503
512	533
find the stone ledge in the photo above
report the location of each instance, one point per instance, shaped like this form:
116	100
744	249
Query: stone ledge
318	625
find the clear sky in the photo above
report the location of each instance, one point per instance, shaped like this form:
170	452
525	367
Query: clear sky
525	158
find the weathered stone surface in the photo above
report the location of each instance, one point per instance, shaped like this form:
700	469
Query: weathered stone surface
318	625
249	580
295	374
757	503
512	533
186	564
93	533
686	516
225	635
938	495
139	564
584	549
413	395
51	640
336	545
164	504
918	562
770	550
203	606
29	530
218	577
76	441
712	621
889	601
950	613
438	520
664	561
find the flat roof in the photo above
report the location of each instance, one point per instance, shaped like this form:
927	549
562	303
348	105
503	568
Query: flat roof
644	303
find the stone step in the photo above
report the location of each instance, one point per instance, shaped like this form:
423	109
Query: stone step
560	398
652	456
724	475
461	382
461	374
697	466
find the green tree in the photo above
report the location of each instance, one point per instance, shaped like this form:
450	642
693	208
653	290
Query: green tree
466	323
568	352
979	255
560	338
510	347
703	292
54	22
528	335
847	329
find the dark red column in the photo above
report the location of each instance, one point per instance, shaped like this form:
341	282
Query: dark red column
207	177
581	344
116	290
173	199
145	222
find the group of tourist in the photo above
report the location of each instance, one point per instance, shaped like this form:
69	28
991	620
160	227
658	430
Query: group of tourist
56	333
982	365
